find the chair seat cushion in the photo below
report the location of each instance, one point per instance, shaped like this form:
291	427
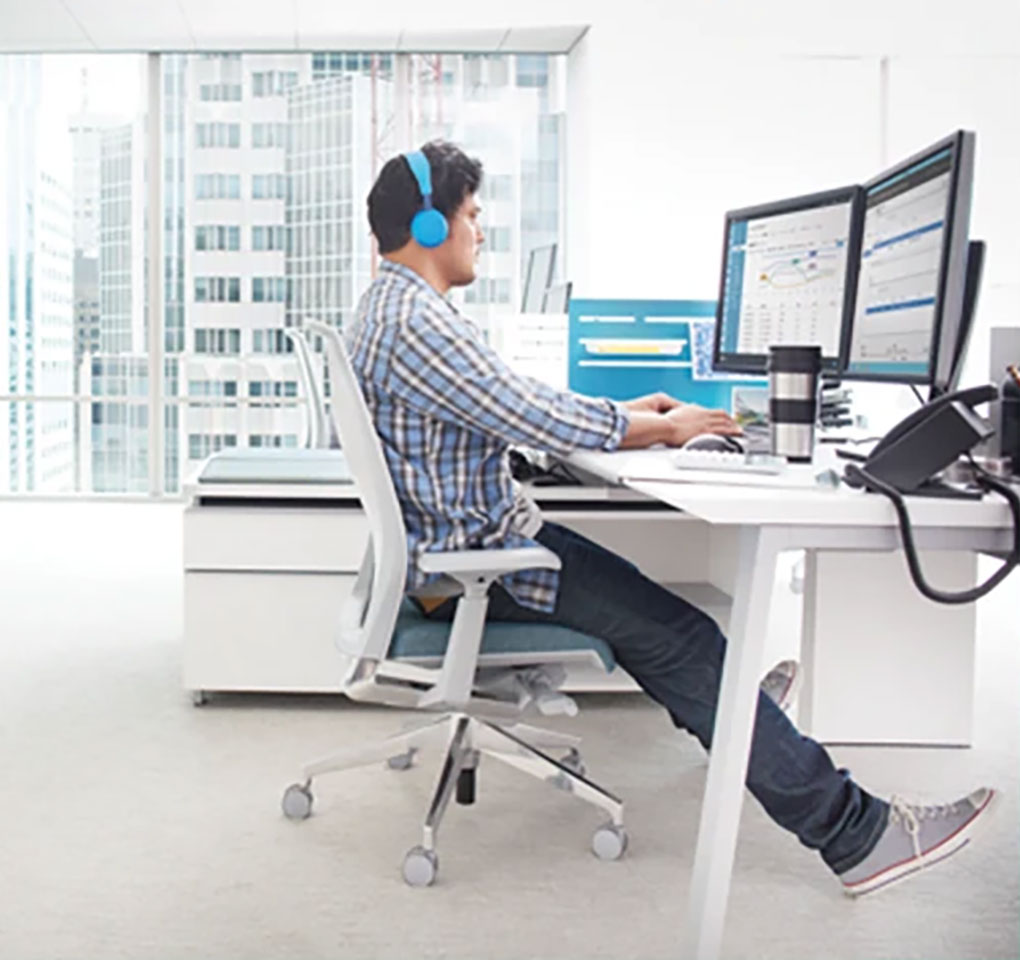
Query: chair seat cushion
417	636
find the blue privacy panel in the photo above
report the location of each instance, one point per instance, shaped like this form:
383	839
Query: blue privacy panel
625	348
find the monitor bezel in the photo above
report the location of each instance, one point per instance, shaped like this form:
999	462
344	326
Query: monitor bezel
952	263
757	363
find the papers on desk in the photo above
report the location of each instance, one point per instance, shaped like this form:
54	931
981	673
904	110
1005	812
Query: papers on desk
658	465
275	465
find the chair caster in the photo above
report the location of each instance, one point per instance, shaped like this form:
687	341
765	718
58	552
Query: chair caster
402	761
466	784
609	842
297	802
420	867
573	762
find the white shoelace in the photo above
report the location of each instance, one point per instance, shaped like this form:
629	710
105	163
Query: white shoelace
911	816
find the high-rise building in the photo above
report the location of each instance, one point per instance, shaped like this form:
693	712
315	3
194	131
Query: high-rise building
236	133
86	134
329	170
36	348
119	435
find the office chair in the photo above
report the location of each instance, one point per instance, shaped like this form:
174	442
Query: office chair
318	429
479	677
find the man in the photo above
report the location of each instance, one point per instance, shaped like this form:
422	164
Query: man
447	409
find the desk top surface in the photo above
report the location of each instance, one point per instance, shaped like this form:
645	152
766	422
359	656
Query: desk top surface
764	500
629	476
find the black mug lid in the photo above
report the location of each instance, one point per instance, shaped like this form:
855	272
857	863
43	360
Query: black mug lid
784	358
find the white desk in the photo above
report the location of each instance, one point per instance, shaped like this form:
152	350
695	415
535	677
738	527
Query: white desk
266	566
764	522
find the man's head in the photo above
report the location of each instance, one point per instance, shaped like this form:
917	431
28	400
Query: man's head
396	197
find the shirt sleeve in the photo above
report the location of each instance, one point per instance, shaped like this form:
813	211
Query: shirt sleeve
440	368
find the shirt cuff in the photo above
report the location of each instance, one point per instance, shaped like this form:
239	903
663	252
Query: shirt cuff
621	420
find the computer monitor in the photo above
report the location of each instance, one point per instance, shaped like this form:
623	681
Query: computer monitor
541	262
787	276
949	381
909	294
557	298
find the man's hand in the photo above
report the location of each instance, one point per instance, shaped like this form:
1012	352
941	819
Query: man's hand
653	403
688	420
674	425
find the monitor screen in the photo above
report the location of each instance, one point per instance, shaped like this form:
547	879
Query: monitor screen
911	277
786	278
541	263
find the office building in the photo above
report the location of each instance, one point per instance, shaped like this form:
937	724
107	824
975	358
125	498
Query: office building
118	431
329	170
36	437
235	133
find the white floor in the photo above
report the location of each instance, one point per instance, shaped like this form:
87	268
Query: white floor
135	825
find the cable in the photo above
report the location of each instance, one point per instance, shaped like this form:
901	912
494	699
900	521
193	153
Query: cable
917	393
986	482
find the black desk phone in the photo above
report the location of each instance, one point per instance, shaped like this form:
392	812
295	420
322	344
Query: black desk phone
908	459
911	455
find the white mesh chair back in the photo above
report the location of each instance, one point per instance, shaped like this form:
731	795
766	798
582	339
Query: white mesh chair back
370	613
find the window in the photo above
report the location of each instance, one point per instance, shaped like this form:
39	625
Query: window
212	388
272	388
219	91
217	186
217	289
272	440
218	135
273	83
497	240
498	186
268	289
271	340
201	445
269	237
217	238
218	340
269	186
291	168
488	290
269	135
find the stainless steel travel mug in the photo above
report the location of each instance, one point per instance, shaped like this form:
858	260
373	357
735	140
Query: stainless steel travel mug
793	400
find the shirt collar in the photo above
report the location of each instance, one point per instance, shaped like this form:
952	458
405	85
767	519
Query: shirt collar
390	266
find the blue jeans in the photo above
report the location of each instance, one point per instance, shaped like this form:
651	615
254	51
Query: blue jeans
675	652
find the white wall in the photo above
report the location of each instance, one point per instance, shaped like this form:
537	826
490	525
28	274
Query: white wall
677	114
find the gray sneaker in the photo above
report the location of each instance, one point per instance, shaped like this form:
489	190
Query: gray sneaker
782	683
917	837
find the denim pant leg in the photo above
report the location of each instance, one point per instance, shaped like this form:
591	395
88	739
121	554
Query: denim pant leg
675	653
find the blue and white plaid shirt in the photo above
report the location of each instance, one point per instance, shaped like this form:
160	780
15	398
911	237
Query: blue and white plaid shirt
447	410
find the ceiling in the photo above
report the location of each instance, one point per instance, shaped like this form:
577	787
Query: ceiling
141	25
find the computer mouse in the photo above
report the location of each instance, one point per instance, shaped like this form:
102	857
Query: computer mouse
715	442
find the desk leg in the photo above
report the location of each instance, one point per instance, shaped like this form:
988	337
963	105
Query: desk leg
727	769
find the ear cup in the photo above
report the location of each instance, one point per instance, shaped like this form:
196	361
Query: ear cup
429	227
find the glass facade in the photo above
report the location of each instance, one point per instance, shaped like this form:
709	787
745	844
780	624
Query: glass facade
266	163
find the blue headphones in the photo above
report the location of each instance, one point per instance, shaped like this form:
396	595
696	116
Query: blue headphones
429	226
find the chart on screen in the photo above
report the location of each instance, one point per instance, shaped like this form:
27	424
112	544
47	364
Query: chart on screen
794	269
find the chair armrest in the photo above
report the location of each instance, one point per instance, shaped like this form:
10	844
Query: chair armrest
488	562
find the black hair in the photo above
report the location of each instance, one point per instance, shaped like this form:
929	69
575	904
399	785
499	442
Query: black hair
395	197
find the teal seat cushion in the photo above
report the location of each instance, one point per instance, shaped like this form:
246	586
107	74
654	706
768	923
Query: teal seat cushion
417	636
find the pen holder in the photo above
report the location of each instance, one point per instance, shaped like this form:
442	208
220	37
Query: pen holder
794	374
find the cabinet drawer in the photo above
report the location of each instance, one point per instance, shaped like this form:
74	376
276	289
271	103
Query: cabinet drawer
263	631
323	539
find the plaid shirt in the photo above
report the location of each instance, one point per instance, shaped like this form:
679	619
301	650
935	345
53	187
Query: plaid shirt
447	410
